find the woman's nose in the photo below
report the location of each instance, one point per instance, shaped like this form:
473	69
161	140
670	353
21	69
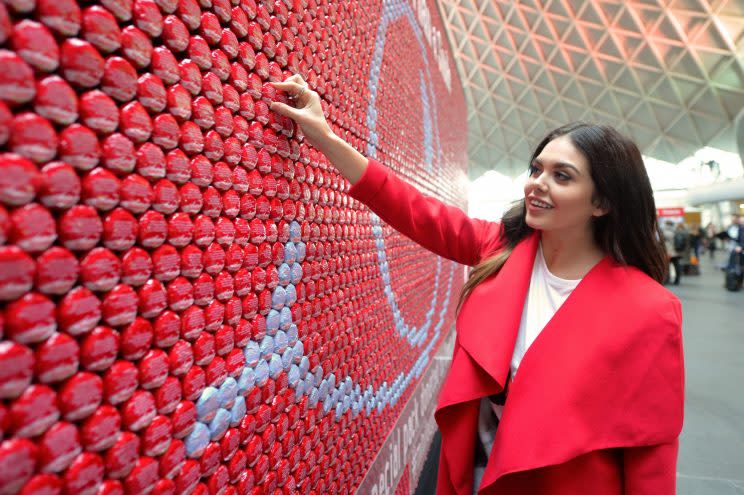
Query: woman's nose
540	182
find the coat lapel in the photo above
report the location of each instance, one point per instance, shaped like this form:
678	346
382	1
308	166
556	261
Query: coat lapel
457	418
519	443
492	313
593	355
564	400
480	363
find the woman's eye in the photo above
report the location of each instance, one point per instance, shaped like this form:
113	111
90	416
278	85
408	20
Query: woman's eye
532	169
562	176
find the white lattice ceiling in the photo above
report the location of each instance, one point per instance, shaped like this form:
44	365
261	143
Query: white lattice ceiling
668	73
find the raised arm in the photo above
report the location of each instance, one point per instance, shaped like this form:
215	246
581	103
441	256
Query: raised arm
442	229
445	230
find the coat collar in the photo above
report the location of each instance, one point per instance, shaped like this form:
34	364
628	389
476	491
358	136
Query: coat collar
480	363
497	305
568	379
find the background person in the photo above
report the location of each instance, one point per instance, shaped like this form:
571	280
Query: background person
734	234
696	240
668	233
711	243
735	265
682	245
736	230
565	337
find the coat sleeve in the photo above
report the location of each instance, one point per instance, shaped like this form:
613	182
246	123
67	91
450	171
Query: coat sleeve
650	470
442	229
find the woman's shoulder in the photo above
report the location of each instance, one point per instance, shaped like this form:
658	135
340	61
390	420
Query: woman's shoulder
645	296
493	239
638	279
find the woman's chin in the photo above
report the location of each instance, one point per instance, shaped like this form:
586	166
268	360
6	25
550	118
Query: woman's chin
533	223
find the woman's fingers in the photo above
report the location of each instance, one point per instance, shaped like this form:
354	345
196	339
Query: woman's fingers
296	78
306	110
285	110
292	88
288	84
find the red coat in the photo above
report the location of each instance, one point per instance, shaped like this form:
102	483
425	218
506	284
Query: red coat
597	404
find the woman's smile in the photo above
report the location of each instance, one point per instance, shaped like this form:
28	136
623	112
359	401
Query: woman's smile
537	205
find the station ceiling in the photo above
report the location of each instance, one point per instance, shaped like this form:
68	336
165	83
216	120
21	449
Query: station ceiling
670	74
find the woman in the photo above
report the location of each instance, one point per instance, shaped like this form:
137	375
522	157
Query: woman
672	254
710	238
683	246
696	239
588	395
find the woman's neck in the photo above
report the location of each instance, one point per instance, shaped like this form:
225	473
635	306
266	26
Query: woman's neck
570	256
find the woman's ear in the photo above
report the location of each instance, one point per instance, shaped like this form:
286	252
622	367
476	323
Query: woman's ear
600	212
601	208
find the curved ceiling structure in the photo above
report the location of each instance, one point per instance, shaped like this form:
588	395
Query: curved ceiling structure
670	74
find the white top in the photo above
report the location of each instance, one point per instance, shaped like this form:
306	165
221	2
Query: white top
546	294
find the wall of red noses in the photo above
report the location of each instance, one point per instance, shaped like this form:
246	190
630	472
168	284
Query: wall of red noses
189	301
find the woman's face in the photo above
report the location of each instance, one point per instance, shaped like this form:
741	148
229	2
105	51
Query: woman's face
558	193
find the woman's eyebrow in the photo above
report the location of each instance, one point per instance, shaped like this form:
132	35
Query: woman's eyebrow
560	165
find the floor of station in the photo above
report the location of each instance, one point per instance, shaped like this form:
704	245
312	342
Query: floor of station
711	458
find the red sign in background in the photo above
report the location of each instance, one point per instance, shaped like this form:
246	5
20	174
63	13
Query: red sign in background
670	212
190	303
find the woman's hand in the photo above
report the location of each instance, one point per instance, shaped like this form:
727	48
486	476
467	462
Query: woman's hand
309	116
307	111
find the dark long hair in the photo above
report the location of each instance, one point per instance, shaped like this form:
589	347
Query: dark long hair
629	232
